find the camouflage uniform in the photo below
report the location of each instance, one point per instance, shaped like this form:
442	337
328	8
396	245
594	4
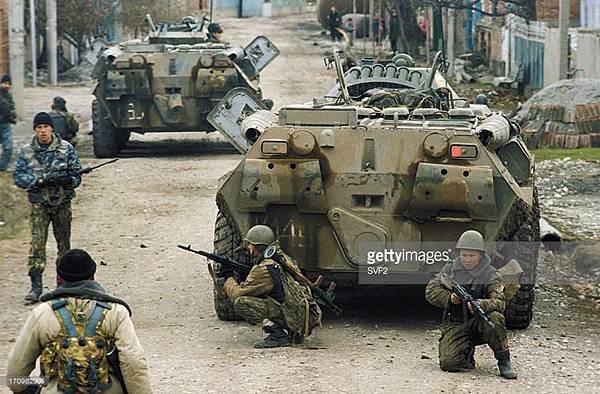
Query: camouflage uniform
64	124
461	330
8	115
50	203
271	293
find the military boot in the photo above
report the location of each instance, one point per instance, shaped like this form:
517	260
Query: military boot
277	338
506	371
36	286
471	361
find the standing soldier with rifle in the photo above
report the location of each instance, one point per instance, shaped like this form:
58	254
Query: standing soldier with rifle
471	293
270	295
49	169
83	336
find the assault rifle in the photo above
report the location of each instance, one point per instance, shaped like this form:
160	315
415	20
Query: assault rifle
465	297
89	169
325	297
113	360
238	267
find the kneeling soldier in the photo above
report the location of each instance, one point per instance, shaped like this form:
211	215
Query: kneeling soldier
83	336
461	329
269	295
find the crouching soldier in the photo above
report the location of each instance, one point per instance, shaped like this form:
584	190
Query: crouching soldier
270	295
84	337
461	328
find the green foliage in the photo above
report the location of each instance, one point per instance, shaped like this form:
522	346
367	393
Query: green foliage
581	154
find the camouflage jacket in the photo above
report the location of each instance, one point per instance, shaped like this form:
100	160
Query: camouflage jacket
8	113
42	328
35	161
268	279
483	282
258	283
65	124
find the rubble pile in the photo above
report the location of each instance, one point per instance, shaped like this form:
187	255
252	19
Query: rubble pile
568	195
563	115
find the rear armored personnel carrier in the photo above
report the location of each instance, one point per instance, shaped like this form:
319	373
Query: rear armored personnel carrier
169	82
389	157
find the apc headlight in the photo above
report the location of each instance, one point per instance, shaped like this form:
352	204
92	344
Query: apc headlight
121	64
206	60
463	151
274	147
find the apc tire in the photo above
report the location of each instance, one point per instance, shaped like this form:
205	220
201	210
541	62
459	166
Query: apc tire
106	143
523	229
226	240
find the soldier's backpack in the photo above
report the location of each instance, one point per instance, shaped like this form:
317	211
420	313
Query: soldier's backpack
64	124
301	312
77	357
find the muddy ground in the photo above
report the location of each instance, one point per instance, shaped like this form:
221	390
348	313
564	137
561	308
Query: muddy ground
131	215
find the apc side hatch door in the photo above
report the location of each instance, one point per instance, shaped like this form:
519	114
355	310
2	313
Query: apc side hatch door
228	114
262	51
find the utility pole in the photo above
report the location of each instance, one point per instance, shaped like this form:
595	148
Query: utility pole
51	42
451	34
33	43
563	31
16	51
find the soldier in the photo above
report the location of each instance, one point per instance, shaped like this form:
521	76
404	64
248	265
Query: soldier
215	32
334	21
49	169
80	323
461	329
8	115
64	122
269	295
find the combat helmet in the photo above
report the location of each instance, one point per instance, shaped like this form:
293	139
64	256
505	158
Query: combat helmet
260	235
481	99
403	59
215	28
472	240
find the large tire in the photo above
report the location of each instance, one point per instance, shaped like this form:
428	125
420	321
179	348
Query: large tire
226	240
522	231
106	142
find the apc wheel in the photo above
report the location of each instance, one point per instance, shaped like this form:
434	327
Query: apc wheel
104	134
522	230
226	240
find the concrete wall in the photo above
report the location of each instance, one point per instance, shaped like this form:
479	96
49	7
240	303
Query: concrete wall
590	14
3	36
255	7
588	53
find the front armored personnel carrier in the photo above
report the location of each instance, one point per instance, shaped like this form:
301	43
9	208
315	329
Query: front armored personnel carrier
389	157
169	82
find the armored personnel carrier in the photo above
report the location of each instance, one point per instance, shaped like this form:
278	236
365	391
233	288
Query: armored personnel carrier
169	82
390	157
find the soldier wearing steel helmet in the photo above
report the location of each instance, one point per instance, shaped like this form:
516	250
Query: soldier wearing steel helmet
269	295
461	329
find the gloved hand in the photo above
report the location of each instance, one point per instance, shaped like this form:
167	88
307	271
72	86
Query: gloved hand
57	178
225	271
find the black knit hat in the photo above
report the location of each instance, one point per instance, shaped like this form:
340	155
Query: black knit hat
42	118
76	265
6	78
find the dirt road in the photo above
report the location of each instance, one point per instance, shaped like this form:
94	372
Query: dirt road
131	215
